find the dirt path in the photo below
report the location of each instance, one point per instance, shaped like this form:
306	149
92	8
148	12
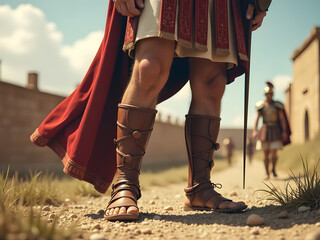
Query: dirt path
162	215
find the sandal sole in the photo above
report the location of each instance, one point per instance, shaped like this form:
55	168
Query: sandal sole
229	210
122	217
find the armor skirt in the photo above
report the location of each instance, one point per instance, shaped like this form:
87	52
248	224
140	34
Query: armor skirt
201	28
270	133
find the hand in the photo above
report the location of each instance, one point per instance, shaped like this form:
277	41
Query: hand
254	134
130	8
257	21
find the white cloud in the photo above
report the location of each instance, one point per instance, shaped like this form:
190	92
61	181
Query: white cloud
82	50
28	42
281	82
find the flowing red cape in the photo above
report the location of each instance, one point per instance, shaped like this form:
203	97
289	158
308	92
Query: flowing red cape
81	129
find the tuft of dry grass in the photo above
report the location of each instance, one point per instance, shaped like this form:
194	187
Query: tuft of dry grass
18	219
304	191
86	189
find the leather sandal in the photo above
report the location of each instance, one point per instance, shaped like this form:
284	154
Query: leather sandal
124	194
199	196
201	133
133	132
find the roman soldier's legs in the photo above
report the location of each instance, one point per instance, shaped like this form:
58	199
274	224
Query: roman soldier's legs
274	159
153	58
266	162
207	81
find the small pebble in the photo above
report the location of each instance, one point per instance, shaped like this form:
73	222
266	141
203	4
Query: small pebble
302	209
101	212
168	208
318	224
177	196
84	227
96	226
255	220
157	217
46	208
233	194
283	214
52	216
146	231
97	236
255	232
152	202
313	236
73	216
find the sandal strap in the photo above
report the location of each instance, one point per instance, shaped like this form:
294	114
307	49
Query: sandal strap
201	193
125	194
217	199
214	146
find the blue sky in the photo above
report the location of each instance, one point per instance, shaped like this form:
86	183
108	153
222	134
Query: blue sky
59	39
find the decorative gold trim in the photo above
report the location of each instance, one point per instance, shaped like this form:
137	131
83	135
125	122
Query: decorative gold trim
200	47
223	52
166	35
39	140
184	43
70	167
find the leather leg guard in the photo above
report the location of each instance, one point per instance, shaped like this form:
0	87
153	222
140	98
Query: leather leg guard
201	133
134	129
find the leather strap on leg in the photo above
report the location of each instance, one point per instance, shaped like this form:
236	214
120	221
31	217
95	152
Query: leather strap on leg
134	129
201	133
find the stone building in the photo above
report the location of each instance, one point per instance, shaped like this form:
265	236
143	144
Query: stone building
303	94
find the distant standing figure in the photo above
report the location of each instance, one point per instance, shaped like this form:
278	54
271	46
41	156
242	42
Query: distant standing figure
229	146
250	149
275	131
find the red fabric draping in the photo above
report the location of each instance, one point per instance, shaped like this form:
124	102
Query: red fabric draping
81	129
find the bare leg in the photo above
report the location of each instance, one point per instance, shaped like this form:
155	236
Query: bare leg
207	81
274	159
151	69
150	72
266	162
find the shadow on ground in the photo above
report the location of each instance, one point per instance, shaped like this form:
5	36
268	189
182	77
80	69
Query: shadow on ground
269	213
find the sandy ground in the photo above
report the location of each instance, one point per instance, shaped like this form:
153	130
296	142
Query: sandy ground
162	215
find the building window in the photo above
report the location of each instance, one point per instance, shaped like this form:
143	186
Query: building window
306	126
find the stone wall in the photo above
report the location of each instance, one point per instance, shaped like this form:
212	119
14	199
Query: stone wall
22	110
